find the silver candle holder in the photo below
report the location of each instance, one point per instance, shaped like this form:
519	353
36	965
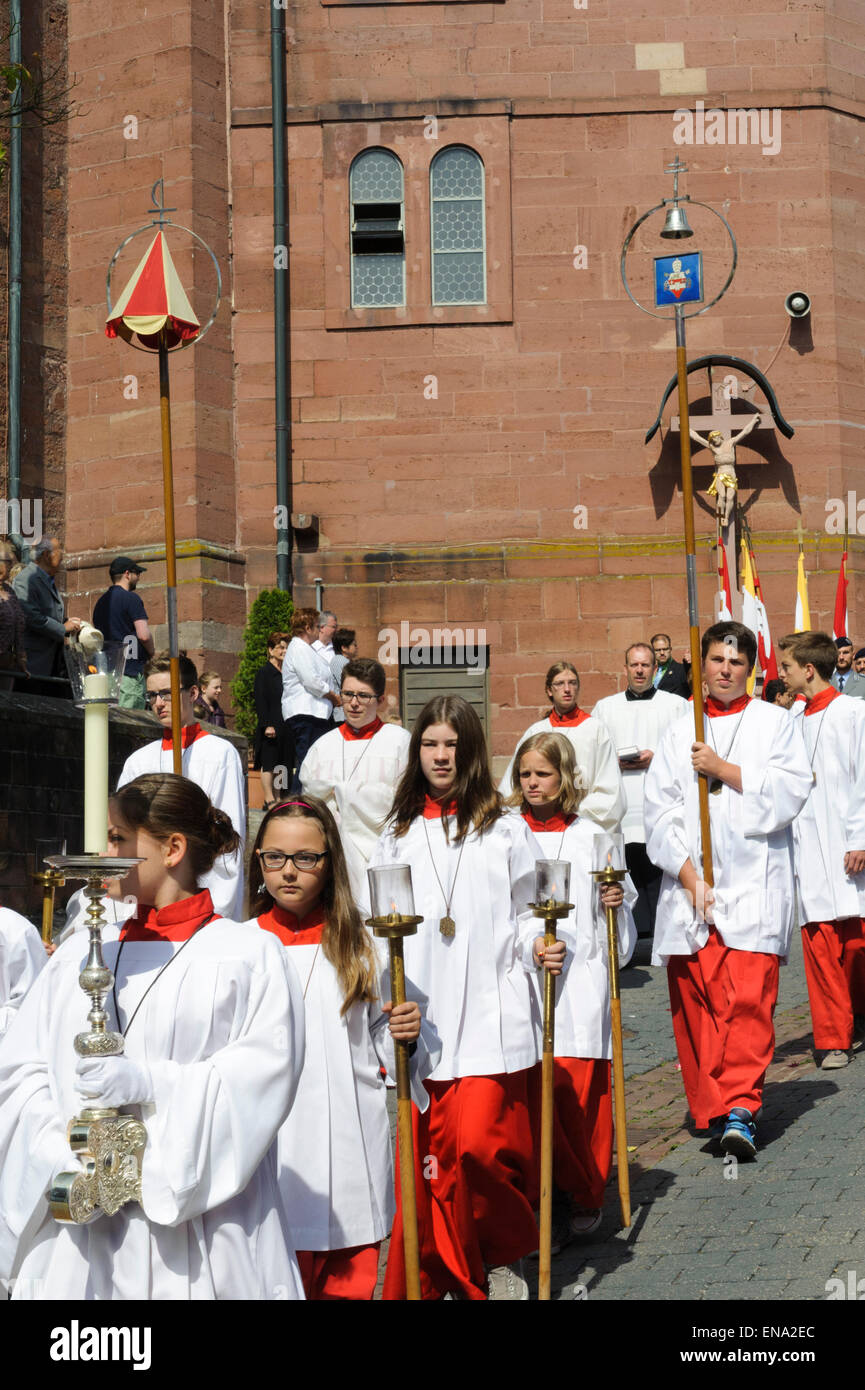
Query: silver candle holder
109	1144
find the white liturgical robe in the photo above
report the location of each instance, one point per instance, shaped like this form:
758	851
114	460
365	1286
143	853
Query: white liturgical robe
595	754
222	1033
215	765
471	986
752	837
356	779
334	1151
637	723
22	957
832	821
583	1027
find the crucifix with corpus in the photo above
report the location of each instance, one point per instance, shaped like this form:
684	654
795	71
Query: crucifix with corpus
721	433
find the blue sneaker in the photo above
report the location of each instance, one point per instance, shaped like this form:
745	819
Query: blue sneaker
740	1134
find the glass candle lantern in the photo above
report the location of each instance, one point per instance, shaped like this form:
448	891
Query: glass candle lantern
552	880
608	851
390	890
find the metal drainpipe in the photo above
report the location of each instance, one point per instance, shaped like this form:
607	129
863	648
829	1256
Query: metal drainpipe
282	338
13	398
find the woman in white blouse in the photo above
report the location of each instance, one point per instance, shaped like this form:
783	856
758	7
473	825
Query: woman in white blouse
309	692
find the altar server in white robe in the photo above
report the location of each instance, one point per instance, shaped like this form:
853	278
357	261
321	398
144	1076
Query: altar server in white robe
593	747
210	761
473	873
213	1020
355	768
548	791
722	947
829	836
635	719
22	957
335	1169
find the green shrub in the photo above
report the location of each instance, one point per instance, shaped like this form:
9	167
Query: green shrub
271	612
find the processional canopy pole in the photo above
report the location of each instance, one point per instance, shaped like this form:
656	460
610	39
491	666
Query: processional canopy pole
153	314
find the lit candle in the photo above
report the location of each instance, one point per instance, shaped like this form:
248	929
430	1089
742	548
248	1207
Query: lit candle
390	891
552	880
97	686
608	852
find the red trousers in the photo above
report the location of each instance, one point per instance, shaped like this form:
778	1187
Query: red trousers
582	1126
835	971
722	1003
339	1276
474	1176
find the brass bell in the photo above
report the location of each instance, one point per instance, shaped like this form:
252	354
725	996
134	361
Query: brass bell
676	224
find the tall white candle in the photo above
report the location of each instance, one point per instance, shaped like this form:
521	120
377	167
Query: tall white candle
96	686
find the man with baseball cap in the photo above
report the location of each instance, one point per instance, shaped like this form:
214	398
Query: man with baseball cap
121	617
845	679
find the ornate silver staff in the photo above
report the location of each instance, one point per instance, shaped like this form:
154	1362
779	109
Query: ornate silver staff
109	1144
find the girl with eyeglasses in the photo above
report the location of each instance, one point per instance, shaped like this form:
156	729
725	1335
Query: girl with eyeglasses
212	1019
335	1172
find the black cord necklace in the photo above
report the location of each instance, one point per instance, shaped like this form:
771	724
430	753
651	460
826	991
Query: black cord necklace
156	977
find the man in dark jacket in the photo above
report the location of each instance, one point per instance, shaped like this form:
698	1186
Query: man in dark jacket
670	675
43	609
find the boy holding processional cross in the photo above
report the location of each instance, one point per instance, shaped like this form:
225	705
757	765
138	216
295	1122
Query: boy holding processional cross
723	943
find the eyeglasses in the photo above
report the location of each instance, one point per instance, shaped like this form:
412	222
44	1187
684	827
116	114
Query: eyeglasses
349	695
151	696
304	859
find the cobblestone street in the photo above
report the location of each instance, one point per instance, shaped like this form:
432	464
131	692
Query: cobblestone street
777	1228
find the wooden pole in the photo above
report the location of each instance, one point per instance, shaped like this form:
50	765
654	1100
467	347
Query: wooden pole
404	1130
545	1221
691	575
170	555
623	1176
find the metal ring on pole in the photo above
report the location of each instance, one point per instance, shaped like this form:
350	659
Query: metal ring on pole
678	311
166	222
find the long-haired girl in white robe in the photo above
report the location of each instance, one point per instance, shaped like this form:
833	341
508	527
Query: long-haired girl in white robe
548	788
473	872
335	1171
213	1021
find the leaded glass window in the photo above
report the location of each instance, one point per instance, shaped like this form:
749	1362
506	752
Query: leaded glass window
377	230
458	228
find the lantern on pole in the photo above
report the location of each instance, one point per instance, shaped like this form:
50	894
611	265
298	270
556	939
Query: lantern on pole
153	314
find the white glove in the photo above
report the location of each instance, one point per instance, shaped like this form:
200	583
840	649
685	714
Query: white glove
113	1081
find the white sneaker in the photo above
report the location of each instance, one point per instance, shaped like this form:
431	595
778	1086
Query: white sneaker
834	1060
508	1282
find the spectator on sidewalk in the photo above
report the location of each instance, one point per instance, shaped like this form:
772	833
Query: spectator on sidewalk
12	623
37	593
272	748
344	651
121	617
309	693
208	707
844	678
670	675
323	643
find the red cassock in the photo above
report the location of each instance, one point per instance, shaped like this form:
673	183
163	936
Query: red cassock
339	1276
475	1182
835	971
582	1126
723	1003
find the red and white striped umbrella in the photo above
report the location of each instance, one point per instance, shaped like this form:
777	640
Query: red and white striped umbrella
152	300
